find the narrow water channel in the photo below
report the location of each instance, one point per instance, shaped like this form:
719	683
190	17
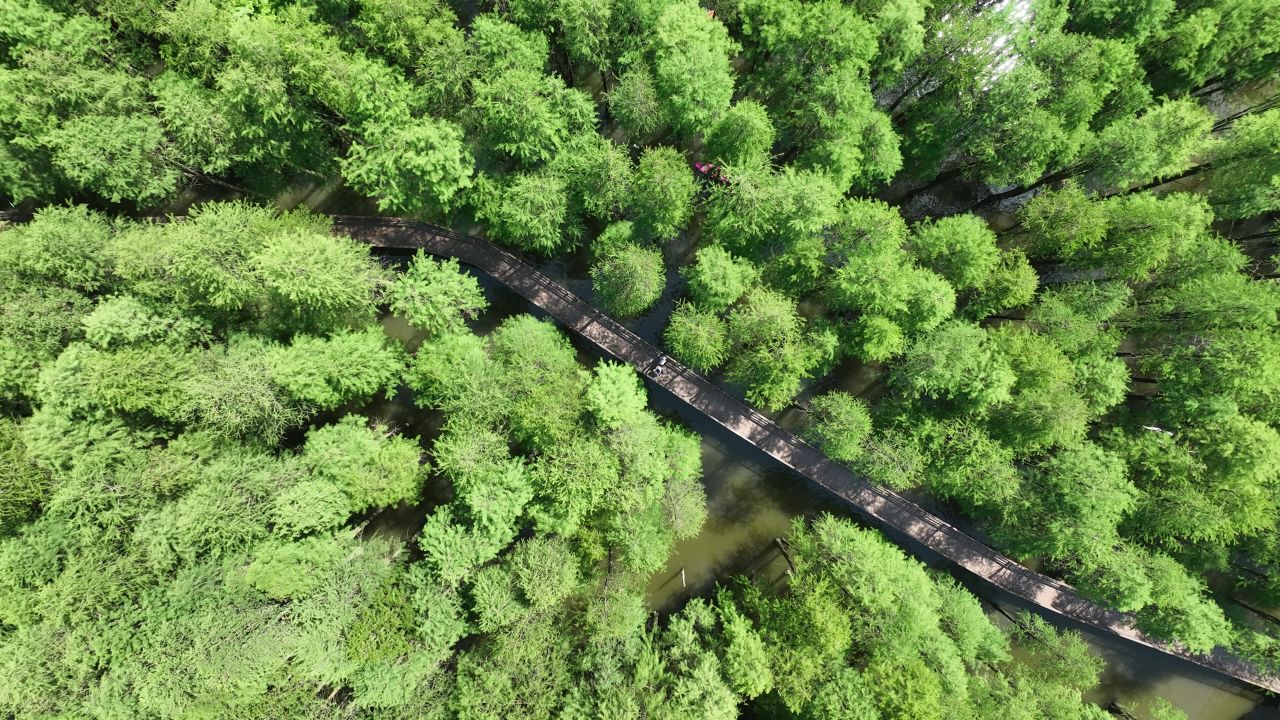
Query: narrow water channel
751	501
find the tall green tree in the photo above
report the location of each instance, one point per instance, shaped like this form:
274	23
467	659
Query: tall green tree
435	295
692	75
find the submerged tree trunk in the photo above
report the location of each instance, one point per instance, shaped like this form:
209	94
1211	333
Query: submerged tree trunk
1194	170
1062	174
937	180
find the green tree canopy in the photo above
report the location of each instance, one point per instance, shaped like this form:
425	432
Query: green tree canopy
435	295
662	193
841	422
628	279
691	53
717	279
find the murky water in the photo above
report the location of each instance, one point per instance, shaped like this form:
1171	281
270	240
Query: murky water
751	502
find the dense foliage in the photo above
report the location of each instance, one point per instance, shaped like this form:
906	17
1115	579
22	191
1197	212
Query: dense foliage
194	492
1045	228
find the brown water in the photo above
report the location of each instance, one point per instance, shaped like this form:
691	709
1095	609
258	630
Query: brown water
751	502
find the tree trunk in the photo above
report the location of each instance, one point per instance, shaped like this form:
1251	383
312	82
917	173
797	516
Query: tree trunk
1264	235
1162	181
1062	174
1258	611
936	181
1115	709
791	566
915	84
1209	87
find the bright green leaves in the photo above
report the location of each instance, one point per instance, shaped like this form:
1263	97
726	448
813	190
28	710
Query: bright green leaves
495	600
635	102
233	259
743	137
1063	223
746	658
959	363
528	210
123	320
494	496
776	219
964	463
698	337
528	116
628	278
35	325
328	372
691	53
861	631
717	279
499	46
572	481
813	64
1144	230
74	119
598	175
662	193
1011	283
1226	41
1245	174
1161	142
1130	235
773	349
875	277
435	295
841	422
545	571
615	396
453	373
148	379
23	485
416	166
121	158
1044	409
845	134
283	570
237	397
310	506
370	465
1179	608
404	32
959	247
1078	498
452	551
228	265
1108	18
62	245
540	371
322	280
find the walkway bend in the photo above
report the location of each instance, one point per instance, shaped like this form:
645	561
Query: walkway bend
884	506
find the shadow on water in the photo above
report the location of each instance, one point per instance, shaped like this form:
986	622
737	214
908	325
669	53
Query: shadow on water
1135	677
751	501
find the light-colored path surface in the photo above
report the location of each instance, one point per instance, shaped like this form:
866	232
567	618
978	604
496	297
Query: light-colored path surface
884	506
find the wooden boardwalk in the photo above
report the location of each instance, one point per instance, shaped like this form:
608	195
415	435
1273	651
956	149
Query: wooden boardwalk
883	506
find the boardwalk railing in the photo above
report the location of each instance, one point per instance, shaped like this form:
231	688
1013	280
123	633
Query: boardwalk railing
887	508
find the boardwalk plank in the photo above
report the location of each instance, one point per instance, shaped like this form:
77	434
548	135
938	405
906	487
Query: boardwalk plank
884	506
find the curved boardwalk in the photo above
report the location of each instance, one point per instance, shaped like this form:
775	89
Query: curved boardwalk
884	506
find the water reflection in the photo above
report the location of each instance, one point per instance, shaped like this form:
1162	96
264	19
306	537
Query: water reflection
750	502
747	507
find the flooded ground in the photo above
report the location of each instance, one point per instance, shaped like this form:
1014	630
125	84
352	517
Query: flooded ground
751	501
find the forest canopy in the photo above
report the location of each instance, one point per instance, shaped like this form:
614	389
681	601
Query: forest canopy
1016	256
196	478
